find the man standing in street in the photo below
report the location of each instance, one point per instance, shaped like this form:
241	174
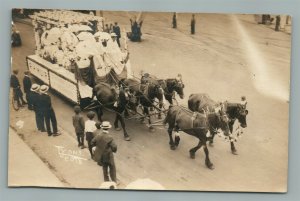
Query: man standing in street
117	31
105	147
27	86
35	101
47	111
78	123
15	84
277	23
174	21
193	24
89	128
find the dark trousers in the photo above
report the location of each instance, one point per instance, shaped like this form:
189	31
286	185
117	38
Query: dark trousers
80	137
40	120
50	117
28	99
89	136
193	29
18	96
111	168
118	41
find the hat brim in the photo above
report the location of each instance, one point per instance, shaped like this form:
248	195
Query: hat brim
34	90
45	90
106	126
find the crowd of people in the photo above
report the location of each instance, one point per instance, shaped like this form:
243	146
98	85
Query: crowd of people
38	100
100	143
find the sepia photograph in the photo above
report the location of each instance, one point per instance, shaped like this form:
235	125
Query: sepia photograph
163	101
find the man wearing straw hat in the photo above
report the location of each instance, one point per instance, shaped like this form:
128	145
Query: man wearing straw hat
47	111
105	147
35	100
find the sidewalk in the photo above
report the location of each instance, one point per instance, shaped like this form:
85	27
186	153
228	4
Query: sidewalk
25	167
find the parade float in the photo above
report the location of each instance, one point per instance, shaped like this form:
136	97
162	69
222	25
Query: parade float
73	53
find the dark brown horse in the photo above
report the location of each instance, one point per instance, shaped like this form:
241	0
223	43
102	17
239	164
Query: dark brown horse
215	112
107	97
235	111
145	97
203	103
170	86
195	124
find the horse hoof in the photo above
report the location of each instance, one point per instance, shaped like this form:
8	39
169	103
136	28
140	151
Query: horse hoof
192	155
211	166
234	152
127	138
172	147
211	144
117	129
151	129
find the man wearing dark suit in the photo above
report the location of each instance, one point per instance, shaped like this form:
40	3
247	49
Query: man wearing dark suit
117	31
47	110
121	109
15	84
193	24
105	147
27	86
35	101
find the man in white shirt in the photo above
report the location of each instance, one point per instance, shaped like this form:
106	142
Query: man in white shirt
89	128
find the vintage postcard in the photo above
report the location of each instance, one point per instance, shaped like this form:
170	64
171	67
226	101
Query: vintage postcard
149	100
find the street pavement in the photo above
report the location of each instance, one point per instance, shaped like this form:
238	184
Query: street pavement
25	167
229	56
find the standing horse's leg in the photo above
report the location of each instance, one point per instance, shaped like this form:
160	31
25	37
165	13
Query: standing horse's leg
207	161
171	142
177	137
160	109
99	114
211	138
232	147
147	113
193	150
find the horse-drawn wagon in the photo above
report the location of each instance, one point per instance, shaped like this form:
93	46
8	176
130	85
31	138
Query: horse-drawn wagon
73	52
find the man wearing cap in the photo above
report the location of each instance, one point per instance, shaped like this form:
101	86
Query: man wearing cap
15	84
27	87
117	31
123	100
243	101
145	79
193	24
47	111
105	147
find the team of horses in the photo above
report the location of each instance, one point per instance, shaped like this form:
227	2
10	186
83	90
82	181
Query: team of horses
203	118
